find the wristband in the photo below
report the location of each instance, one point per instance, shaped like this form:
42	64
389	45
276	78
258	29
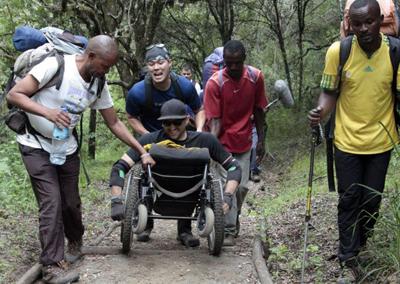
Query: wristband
144	155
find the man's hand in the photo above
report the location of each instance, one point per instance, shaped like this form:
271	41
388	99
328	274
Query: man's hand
117	208
147	160
228	201
314	116
59	117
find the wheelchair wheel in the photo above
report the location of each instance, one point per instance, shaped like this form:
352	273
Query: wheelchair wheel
205	222
139	219
131	201
216	237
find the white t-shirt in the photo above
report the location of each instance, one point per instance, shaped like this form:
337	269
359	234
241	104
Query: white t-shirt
73	93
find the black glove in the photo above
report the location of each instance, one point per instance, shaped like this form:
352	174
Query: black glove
117	208
228	199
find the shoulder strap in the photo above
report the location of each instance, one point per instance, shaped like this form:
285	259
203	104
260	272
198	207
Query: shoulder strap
220	79
344	53
59	75
394	52
148	95
177	88
252	74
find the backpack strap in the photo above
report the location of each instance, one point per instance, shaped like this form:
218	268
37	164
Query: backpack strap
220	80
344	53
177	88
252	74
394	52
148	95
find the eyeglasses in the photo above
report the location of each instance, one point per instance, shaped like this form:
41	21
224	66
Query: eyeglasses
176	122
160	45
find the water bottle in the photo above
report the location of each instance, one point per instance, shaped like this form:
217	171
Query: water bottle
59	144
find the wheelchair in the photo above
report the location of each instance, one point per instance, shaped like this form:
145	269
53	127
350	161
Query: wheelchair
179	186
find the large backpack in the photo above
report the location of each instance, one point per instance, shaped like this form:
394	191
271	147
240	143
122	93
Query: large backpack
344	52
212	63
389	26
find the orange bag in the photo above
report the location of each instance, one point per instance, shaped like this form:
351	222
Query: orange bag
390	24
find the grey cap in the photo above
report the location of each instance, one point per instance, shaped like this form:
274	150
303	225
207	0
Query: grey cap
173	109
156	52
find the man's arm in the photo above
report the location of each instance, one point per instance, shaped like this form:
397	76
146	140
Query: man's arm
200	119
119	129
136	125
20	94
215	126
259	120
326	103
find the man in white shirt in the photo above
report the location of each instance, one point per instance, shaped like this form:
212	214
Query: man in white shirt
56	186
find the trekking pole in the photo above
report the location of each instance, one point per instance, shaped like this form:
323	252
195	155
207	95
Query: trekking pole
315	140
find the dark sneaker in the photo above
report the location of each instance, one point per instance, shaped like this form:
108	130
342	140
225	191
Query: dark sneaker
74	251
58	274
144	236
349	272
229	241
188	240
255	177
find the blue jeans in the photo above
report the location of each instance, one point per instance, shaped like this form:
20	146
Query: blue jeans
253	165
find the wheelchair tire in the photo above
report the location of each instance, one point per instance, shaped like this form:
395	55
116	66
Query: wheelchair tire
206	225
132	197
216	237
140	219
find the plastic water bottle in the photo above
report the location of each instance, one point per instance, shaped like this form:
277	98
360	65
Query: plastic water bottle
59	144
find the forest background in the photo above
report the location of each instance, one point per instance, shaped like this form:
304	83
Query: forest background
286	39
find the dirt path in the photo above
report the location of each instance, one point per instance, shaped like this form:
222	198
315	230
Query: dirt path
165	260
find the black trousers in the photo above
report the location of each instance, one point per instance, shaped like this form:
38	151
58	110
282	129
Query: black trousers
57	194
361	180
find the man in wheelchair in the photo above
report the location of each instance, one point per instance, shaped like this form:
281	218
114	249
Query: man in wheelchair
174	121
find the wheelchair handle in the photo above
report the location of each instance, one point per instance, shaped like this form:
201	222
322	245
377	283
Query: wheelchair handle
150	176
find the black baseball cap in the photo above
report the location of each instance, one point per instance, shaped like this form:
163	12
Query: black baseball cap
173	109
156	51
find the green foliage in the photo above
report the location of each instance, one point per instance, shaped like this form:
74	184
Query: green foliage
15	194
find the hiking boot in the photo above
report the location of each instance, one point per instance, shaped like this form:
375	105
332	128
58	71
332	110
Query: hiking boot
74	251
255	177
58	274
229	241
188	240
349	272
144	236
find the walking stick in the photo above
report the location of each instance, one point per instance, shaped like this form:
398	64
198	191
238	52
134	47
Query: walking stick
315	141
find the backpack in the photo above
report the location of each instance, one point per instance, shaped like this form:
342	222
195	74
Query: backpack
344	53
389	26
35	50
212	63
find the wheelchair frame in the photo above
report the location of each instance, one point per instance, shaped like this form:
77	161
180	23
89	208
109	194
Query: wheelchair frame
140	193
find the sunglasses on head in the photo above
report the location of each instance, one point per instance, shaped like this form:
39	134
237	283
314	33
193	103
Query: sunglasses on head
160	45
175	122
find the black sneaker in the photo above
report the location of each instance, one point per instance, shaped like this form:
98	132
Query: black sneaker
349	272
144	236
188	240
74	251
58	274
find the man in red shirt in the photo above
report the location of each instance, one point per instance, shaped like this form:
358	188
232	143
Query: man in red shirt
234	94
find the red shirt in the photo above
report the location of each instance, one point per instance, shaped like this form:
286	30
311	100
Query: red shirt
233	103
